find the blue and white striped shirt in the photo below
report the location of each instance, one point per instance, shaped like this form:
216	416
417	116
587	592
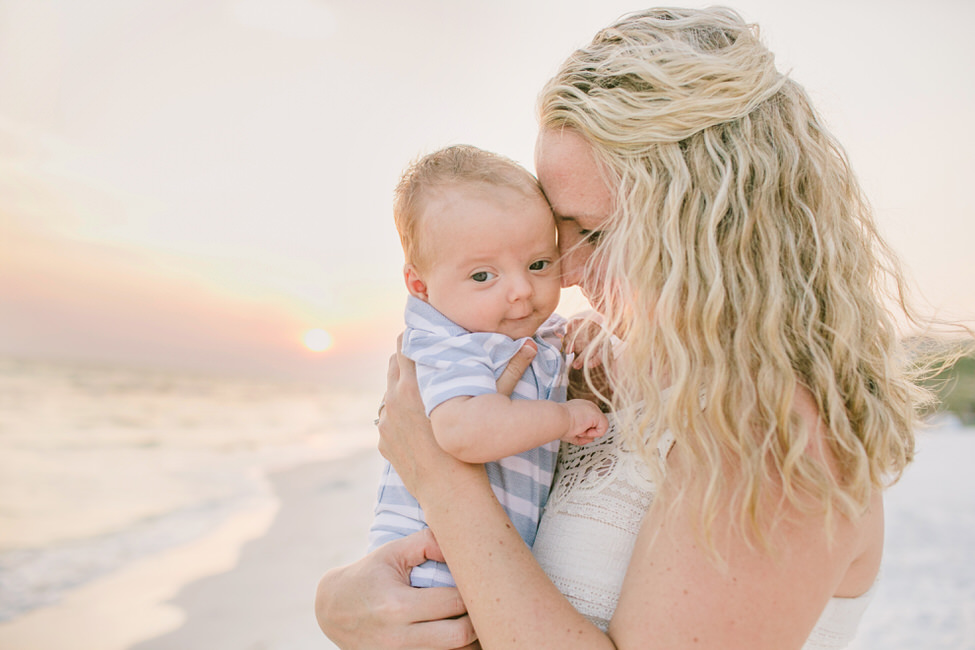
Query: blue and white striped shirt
452	362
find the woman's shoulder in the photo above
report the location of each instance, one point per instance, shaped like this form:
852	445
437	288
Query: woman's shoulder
811	419
863	535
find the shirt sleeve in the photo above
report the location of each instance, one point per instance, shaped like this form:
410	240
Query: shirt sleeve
449	366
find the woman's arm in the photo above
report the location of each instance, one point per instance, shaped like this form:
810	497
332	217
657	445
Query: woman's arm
517	604
370	605
674	595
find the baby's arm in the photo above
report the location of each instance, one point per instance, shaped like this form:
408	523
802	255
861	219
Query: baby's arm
489	427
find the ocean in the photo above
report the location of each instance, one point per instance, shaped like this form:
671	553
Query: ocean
101	466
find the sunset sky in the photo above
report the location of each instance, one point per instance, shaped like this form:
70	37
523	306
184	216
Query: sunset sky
197	183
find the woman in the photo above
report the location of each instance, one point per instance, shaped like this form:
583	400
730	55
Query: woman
707	214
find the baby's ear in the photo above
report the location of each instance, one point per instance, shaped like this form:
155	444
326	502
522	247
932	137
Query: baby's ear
416	286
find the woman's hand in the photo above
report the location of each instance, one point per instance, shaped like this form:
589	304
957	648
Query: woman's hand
580	332
370	604
405	434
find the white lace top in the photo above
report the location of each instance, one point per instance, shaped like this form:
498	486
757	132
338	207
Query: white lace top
600	494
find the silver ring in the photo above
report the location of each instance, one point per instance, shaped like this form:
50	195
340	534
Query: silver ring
379	412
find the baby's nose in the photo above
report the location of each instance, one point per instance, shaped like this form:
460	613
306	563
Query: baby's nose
519	288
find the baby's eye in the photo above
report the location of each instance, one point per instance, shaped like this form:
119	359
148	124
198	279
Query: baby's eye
538	265
592	237
482	276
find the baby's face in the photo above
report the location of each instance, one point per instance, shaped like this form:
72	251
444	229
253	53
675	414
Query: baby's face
492	258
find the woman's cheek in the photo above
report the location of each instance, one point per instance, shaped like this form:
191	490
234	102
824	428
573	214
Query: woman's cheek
573	265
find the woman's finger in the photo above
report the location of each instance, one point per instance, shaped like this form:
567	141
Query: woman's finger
392	372
386	611
444	633
516	368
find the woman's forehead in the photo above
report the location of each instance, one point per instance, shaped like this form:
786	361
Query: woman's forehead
571	178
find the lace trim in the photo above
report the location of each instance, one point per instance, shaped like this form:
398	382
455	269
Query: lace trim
589	469
601	493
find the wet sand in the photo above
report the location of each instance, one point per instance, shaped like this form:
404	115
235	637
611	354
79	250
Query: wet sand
249	584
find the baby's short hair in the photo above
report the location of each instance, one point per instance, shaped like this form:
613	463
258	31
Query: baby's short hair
456	164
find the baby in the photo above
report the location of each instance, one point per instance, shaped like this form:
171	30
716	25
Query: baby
482	271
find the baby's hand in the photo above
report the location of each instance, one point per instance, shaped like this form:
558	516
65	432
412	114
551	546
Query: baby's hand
586	422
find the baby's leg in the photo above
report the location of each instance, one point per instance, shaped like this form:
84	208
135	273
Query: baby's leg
397	513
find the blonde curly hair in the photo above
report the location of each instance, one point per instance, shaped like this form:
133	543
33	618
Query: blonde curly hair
742	261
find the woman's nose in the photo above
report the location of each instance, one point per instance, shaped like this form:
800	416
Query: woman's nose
571	272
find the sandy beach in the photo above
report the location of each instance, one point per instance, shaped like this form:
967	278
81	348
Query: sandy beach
249	584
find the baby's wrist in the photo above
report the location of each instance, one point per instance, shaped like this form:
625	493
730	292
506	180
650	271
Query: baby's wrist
571	409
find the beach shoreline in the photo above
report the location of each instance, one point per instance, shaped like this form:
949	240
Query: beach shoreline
248	583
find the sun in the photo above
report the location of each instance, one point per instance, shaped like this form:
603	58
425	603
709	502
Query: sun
317	340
